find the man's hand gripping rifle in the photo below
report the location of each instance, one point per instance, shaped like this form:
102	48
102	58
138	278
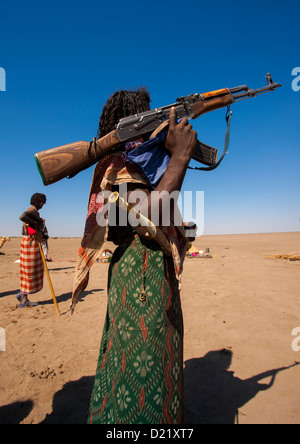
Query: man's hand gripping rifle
68	160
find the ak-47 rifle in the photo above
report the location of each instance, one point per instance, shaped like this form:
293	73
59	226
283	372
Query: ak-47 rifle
68	160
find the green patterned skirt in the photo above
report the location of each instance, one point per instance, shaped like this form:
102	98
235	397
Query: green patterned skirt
139	378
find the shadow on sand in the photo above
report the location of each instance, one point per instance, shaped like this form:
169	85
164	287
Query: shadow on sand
71	404
213	394
68	297
15	413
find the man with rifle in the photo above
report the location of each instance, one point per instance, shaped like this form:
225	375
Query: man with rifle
139	378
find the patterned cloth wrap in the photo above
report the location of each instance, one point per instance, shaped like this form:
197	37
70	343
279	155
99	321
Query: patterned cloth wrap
150	159
31	266
139	377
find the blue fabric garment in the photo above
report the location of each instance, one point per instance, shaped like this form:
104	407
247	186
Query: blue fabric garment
150	158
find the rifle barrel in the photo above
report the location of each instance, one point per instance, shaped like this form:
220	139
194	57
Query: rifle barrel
238	89
254	92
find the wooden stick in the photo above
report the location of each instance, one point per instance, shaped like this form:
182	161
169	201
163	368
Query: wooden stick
49	280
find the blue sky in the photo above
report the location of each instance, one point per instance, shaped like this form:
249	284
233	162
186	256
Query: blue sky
63	59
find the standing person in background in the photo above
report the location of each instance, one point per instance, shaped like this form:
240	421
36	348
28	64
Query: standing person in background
31	263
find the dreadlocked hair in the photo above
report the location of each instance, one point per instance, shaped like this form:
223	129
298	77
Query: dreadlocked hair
122	104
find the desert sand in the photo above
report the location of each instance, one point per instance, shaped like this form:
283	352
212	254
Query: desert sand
240	309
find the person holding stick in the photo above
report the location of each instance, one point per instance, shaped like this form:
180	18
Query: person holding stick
139	378
31	263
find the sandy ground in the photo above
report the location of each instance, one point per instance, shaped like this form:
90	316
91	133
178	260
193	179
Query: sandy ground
240	309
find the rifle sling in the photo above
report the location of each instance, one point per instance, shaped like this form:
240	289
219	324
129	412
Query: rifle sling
96	157
226	146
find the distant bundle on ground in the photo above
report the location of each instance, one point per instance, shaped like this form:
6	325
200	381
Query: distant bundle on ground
3	239
291	257
194	252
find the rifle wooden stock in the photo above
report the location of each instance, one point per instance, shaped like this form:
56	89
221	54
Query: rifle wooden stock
214	100
57	163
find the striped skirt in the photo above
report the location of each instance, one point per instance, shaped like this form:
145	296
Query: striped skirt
139	378
31	266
